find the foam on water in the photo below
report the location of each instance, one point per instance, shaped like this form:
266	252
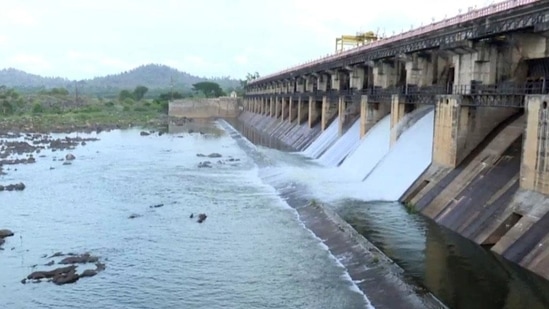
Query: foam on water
372	149
406	160
342	147
323	141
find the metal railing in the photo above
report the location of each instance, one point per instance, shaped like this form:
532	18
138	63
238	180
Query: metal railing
474	94
471	15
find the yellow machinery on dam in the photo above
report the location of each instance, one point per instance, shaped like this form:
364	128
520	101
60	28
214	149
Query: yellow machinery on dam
483	72
361	38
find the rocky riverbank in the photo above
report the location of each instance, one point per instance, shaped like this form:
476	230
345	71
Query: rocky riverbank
85	123
26	148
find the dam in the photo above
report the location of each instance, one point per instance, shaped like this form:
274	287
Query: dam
449	119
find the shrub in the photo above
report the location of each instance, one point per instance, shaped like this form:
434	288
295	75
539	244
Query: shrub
37	108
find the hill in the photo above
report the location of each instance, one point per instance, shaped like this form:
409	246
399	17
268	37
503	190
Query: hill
153	76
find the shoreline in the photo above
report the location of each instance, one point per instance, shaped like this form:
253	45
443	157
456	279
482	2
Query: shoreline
58	124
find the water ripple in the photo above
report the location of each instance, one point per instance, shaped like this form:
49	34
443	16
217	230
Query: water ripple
251	252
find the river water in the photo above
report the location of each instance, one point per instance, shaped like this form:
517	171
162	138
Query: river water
251	252
460	273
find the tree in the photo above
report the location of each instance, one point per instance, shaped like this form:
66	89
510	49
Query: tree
7	108
124	94
249	78
209	89
139	92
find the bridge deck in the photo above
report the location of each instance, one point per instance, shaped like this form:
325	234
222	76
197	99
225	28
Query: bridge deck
489	21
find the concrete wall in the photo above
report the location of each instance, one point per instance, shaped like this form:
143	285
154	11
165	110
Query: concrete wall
205	108
497	194
534	174
489	178
459	129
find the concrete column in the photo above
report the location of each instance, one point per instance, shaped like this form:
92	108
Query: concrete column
300	85
460	129
283	109
322	84
259	105
277	107
370	114
328	110
336	80
302	111
341	114
272	109
534	170
293	110
357	78
309	81
384	75
313	112
324	113
398	110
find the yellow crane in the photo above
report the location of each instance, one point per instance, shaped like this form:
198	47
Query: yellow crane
361	38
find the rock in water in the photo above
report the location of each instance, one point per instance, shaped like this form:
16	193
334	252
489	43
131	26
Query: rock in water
201	218
5	233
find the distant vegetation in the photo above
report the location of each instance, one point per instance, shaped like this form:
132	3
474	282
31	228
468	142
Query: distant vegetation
139	96
157	78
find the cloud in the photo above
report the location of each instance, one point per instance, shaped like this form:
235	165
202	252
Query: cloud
19	16
207	38
241	59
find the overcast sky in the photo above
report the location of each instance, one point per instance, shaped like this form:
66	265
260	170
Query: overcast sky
84	38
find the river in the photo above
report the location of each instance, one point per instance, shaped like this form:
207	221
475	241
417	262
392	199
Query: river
251	252
460	273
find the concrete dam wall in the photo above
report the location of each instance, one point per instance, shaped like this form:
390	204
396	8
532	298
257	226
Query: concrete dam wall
484	75
479	182
196	108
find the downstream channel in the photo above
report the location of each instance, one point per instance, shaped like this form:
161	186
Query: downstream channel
460	273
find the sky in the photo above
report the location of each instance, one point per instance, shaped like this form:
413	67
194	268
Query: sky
80	39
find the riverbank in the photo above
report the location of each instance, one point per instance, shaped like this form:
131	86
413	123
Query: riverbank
82	122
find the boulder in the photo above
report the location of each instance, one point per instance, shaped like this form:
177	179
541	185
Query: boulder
64	278
214	155
88	273
51	273
70	157
201	218
5	233
79	259
205	164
